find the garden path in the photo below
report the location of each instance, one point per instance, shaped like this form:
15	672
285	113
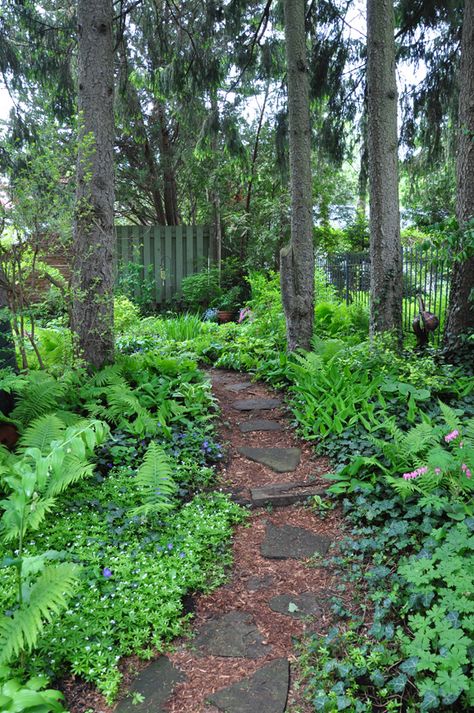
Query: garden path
242	657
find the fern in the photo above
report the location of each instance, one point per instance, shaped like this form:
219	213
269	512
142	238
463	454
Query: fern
43	599
41	432
450	416
155	482
39	394
73	469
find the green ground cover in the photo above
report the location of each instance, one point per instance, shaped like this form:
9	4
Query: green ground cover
105	525
406	643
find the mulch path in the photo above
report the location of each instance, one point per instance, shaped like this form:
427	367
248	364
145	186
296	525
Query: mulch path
206	674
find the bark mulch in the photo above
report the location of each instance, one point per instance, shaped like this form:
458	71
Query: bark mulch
254	579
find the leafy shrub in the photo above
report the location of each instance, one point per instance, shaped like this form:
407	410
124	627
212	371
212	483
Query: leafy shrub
126	313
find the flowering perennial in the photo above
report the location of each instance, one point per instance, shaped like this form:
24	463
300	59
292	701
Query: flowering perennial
451	436
415	473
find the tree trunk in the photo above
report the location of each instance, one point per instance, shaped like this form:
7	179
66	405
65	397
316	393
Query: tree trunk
94	238
7	345
167	163
460	318
385	246
297	258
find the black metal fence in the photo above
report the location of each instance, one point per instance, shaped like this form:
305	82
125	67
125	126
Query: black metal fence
426	272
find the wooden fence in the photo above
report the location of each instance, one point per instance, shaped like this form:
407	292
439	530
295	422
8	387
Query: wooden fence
166	254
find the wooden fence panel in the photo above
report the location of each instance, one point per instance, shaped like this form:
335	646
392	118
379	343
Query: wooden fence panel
173	252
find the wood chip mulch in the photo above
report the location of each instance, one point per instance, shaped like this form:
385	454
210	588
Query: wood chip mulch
206	674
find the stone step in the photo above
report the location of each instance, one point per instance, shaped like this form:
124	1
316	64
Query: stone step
281	494
230	635
266	691
281	460
259	424
297	606
155	683
239	386
289	542
256	404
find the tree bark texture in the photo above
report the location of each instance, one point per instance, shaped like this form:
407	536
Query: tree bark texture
170	192
460	317
385	246
297	258
94	239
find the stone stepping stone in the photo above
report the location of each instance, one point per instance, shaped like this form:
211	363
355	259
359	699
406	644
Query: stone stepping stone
266	691
255	583
259	424
296	606
281	460
256	404
155	683
292	542
233	634
239	386
280	494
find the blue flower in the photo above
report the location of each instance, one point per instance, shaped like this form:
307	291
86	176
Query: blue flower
106	572
182	554
169	546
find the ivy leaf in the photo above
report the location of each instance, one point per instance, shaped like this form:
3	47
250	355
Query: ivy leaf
430	701
343	702
409	666
398	683
377	678
292	608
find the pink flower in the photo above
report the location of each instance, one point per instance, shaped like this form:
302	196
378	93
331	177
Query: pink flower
468	473
438	471
451	436
464	467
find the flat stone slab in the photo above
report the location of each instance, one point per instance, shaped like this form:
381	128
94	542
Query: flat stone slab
259	424
266	691
155	683
281	460
239	386
292	542
280	494
296	606
255	583
256	404
233	634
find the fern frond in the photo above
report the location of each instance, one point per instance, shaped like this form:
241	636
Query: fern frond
39	394
469	429
450	416
106	376
44	599
72	470
41	432
419	438
155	482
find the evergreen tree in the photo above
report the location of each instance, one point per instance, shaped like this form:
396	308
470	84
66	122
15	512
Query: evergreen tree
385	245
94	239
297	259
460	316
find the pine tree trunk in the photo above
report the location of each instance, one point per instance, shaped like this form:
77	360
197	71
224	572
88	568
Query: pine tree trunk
385	246
460	318
167	163
94	239
297	259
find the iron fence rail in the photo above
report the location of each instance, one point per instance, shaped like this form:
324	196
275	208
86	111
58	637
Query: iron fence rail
426	272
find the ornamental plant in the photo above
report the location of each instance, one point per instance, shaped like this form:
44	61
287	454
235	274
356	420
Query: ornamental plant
446	462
